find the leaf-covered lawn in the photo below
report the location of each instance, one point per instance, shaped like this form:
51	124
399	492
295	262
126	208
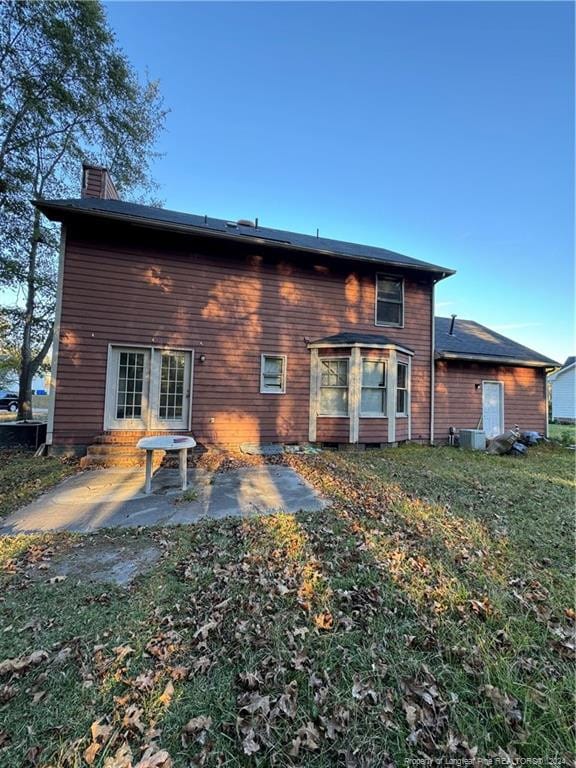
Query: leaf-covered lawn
22	477
428	612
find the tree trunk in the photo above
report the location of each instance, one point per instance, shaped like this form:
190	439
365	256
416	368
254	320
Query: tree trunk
26	361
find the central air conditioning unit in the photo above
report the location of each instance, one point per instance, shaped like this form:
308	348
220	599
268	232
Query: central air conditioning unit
472	439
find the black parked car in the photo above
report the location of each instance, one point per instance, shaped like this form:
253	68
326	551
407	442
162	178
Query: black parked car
8	401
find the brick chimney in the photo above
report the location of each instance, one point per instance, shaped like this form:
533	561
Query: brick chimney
96	182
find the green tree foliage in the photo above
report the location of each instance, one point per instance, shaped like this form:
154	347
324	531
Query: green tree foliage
67	94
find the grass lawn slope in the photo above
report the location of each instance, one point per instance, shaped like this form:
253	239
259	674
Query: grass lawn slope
427	613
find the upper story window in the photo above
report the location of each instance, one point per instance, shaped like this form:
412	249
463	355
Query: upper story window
373	399
389	301
334	387
402	390
273	374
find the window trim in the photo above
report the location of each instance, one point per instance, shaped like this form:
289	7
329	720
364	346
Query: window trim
362	414
403	414
347	388
263	389
385	276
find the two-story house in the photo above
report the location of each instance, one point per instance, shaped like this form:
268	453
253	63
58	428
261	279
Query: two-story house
233	332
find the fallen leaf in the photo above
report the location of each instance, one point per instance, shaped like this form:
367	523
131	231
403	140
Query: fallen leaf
250	745
324	620
22	663
166	696
200	723
153	759
132	717
121	759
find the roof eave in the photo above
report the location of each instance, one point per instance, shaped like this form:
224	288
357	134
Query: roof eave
524	362
46	208
360	345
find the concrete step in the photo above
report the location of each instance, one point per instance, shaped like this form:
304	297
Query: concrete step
109	449
119	461
130	440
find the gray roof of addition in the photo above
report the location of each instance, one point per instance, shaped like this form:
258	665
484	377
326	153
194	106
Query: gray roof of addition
472	341
161	218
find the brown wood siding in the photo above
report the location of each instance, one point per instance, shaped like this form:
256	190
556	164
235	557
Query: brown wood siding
93	186
228	302
373	430
459	403
333	429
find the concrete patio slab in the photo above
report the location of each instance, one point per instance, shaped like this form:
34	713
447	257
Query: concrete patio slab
110	498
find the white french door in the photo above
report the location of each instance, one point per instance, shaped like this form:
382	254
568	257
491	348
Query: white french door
148	388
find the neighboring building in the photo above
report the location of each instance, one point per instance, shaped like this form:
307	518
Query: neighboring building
234	332
487	381
40	383
563	392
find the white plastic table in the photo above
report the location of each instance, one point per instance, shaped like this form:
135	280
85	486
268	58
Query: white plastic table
166	443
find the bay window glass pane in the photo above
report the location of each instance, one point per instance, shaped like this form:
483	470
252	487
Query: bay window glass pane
373	373
402	375
334	401
401	400
334	373
373	401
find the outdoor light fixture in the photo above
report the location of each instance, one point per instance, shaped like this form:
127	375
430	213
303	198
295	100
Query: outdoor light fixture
202	358
476	386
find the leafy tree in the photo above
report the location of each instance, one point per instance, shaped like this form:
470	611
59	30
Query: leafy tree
67	94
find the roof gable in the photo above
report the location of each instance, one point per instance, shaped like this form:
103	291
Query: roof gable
161	218
471	341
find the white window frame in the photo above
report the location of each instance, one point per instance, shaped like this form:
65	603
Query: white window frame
347	387
403	414
367	414
263	389
396	279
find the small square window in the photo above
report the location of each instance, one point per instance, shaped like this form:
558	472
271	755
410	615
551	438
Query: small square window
273	374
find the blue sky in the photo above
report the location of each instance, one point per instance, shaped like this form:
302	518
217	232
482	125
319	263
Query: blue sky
441	130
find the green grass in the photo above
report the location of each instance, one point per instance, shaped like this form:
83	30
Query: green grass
563	433
428	611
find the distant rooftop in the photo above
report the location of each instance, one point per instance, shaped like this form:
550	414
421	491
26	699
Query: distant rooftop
160	218
472	341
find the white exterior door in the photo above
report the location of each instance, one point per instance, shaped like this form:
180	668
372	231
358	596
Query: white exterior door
148	389
493	408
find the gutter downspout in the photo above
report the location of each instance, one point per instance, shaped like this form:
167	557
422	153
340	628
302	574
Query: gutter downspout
432	362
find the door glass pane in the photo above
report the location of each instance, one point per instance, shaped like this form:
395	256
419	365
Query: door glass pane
172	372
130	385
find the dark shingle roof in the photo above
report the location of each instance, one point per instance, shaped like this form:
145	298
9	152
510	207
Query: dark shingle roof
471	340
147	215
359	338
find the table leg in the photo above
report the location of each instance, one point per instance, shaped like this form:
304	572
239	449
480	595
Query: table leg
184	468
148	487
